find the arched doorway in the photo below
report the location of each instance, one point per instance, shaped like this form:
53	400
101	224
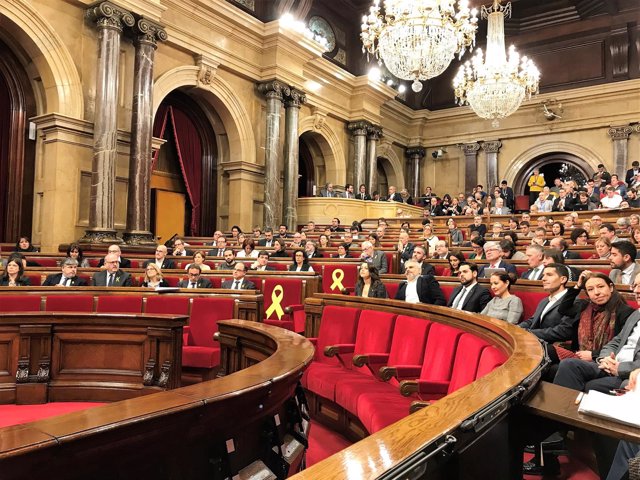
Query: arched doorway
17	150
312	164
306	173
553	165
183	180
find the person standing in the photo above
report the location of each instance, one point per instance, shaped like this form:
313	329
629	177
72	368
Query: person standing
536	183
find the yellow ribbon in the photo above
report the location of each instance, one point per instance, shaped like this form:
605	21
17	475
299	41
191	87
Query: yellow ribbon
337	276
276	298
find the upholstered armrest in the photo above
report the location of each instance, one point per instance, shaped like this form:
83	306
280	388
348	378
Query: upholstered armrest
418	405
185	335
333	350
433	387
370	358
408	387
293	308
314	341
401	372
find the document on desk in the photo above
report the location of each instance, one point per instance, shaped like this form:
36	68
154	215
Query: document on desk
624	408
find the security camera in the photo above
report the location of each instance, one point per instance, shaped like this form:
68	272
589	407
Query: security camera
439	153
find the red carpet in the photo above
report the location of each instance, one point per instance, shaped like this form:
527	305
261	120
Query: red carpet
17	414
323	443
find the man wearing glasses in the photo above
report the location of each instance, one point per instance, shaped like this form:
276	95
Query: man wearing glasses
68	277
239	282
161	261
112	276
179	249
194	280
115	250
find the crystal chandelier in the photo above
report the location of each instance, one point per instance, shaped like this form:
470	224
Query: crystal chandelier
417	39
496	87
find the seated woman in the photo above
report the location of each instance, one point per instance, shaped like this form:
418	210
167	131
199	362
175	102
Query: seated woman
557	229
14	273
478	249
455	259
74	251
373	238
429	238
343	251
454	232
580	237
235	231
300	262
153	277
369	283
323	241
503	305
248	249
239	240
279	249
23	245
199	257
603	249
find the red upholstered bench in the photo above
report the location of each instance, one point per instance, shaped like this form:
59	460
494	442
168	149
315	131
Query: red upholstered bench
69	303
177	305
20	303
119	304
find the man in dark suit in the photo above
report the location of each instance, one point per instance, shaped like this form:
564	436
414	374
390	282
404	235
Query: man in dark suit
267	241
335	225
112	276
469	296
547	323
179	249
218	250
122	262
261	263
420	255
493	252
405	247
375	257
393	195
327	191
311	247
508	195
362	193
535	257
348	191
195	280
239	282
161	259
563	203
560	244
423	289
632	172
68	277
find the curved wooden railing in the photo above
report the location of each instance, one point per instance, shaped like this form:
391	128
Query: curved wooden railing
207	430
454	425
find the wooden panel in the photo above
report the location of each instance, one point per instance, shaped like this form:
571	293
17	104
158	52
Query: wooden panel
587	62
169	214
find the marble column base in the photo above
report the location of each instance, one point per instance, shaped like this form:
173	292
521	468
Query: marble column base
137	237
100	236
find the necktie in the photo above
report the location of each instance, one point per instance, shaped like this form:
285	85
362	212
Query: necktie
457	304
236	285
110	281
192	285
535	273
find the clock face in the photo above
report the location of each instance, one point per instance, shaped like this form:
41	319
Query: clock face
320	26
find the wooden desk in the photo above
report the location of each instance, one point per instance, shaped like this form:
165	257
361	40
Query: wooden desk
559	404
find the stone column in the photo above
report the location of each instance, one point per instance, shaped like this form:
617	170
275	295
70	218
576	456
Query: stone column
138	198
620	137
359	131
374	133
291	143
491	148
415	154
110	20
274	92
470	151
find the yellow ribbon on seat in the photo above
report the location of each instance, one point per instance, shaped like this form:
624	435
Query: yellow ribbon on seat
276	298
337	275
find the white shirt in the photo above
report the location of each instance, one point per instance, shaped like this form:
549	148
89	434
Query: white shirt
626	277
536	273
613	202
628	349
411	293
63	281
553	299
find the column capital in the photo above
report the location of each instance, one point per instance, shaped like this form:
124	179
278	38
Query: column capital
415	152
621	132
149	32
374	132
295	98
359	127
470	148
492	146
107	15
274	89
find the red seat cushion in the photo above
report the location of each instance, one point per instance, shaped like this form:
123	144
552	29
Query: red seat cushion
392	288
177	305
389	411
203	322
530	301
337	277
69	303
467	359
490	359
200	357
20	303
119	304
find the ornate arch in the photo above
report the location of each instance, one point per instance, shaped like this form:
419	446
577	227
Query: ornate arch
234	117
330	146
396	176
60	79
521	166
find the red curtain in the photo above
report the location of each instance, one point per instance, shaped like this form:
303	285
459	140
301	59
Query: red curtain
159	127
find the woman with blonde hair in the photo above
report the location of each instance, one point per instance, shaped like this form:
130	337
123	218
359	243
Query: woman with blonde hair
153	277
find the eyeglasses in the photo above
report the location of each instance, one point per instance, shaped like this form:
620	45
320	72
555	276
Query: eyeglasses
194	274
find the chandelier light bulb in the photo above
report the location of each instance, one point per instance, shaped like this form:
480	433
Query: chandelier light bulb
417	39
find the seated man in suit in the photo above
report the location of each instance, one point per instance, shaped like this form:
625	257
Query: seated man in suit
239	282
469	296
419	289
405	247
327	191
535	258
218	250
442	250
311	247
195	280
179	249
348	191
420	255
112	276
122	262
362	193
494	254
267	241
547	323
161	259
374	257
261	263
623	262
560	244
500	209
68	277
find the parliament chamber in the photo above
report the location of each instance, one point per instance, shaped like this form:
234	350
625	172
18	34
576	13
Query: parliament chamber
131	130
